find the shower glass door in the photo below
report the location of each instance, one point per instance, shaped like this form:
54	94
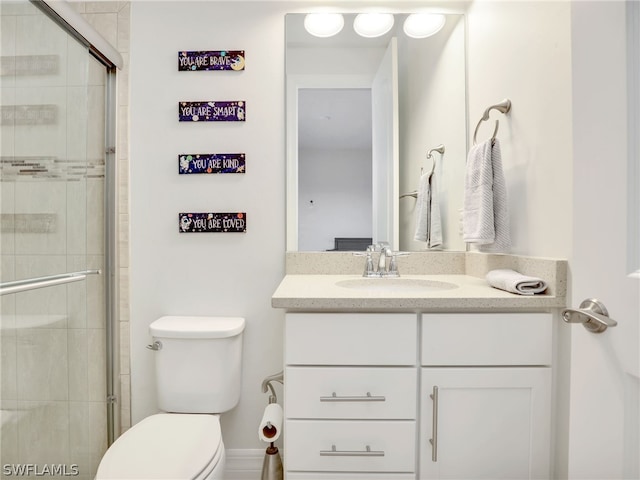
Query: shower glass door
52	202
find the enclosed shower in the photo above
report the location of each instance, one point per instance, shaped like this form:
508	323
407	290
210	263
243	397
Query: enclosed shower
57	389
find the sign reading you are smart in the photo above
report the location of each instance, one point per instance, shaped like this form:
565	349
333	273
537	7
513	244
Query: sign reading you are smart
212	111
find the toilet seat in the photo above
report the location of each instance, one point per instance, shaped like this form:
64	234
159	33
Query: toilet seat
165	446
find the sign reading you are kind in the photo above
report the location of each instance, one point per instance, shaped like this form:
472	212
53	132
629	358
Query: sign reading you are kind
204	60
211	163
213	222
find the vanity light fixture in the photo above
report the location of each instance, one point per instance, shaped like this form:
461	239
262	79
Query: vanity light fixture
422	25
371	25
323	24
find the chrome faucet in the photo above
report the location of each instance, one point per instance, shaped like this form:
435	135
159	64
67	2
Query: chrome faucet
383	270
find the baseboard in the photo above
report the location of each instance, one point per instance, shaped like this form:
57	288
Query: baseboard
244	463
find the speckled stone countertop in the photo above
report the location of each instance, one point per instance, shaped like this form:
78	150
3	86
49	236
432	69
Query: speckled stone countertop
311	284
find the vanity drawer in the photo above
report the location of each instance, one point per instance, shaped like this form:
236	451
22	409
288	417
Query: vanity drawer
360	393
360	446
487	339
350	339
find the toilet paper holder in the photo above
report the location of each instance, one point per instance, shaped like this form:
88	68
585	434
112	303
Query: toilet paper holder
267	385
272	468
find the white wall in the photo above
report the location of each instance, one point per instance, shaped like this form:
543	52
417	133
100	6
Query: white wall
335	196
207	273
521	50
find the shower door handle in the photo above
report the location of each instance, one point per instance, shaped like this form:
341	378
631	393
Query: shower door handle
17	286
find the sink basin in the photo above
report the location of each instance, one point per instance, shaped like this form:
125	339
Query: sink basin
400	285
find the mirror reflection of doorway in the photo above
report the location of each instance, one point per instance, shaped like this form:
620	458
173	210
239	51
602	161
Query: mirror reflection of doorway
334	166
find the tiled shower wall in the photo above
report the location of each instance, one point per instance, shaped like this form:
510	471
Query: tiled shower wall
111	20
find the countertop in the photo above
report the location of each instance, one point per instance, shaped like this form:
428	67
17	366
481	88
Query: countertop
308	292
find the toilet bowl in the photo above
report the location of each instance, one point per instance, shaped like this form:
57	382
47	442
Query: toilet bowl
198	375
167	446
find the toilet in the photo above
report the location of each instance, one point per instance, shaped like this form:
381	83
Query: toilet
198	363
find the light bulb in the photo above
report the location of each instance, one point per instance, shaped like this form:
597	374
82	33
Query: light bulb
422	25
323	24
372	25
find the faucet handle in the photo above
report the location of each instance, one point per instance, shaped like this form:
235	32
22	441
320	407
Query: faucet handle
369	270
393	265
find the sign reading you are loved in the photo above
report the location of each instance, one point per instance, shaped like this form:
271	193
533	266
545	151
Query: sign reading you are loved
213	222
211	163
211	60
212	111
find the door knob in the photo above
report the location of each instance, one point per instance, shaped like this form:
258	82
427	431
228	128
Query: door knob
592	314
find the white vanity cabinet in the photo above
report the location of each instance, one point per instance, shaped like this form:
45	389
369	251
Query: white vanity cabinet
350	396
485	396
399	396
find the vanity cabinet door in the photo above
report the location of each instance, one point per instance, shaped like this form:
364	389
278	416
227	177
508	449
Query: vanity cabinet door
485	423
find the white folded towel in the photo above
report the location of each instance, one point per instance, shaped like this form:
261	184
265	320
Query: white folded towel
515	282
428	224
485	219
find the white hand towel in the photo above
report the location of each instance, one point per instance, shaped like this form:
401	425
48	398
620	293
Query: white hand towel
515	282
485	217
428	223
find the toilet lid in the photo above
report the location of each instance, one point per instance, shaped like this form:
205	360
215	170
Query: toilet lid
163	446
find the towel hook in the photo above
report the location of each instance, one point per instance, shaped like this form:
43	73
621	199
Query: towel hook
440	150
503	107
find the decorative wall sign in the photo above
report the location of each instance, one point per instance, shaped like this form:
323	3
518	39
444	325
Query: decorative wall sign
213	222
211	163
211	60
212	111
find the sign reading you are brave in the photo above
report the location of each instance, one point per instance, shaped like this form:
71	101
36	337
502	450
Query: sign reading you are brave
204	60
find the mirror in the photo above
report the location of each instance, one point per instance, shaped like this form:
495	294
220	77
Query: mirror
362	115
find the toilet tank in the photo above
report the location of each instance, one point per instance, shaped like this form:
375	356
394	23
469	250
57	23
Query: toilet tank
198	363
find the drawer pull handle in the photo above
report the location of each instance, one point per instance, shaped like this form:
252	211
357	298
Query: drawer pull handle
353	398
434	428
351	453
